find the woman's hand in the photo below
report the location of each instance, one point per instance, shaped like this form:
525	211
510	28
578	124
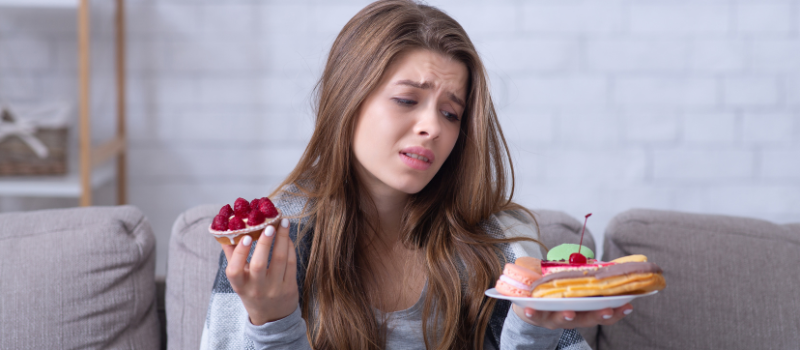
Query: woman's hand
572	319
268	294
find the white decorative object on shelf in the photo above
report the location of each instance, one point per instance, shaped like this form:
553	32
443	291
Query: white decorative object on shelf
25	120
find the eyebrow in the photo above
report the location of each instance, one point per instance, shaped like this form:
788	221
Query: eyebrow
427	85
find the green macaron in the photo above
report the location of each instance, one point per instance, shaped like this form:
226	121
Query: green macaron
563	251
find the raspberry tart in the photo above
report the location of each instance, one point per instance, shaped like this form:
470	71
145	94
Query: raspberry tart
244	218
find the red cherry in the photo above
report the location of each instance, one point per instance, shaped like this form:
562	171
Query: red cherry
577	258
581	243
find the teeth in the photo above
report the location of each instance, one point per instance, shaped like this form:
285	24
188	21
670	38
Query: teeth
417	156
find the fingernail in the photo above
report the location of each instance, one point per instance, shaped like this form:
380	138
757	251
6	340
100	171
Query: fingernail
628	311
247	240
605	317
269	231
568	318
529	314
285	223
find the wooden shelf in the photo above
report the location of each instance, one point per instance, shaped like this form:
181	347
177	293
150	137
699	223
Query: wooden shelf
68	185
91	166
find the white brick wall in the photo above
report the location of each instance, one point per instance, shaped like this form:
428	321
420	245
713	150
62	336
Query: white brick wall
688	18
666	91
676	105
573	17
710	128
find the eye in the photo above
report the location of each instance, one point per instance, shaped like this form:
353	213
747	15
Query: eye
405	102
451	116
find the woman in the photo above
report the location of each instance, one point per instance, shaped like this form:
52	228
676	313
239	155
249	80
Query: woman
398	208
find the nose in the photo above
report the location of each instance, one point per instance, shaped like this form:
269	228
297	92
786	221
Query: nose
429	123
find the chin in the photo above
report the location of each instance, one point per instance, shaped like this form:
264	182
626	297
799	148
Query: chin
412	186
410	189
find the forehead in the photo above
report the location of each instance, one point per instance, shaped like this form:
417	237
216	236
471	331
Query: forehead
425	66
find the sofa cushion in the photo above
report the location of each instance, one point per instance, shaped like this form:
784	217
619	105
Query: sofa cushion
731	282
192	264
79	278
557	227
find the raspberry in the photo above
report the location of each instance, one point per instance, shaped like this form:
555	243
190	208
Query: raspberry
236	224
241	207
220	223
268	208
254	203
226	211
256	217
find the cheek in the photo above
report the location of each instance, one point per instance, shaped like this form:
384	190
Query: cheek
374	133
452	138
383	126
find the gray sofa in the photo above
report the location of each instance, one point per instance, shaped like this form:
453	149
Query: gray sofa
83	278
78	279
732	283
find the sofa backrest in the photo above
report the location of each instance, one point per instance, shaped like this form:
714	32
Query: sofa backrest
731	282
194	257
79	278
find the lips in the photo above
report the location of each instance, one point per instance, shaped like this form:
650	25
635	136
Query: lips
417	157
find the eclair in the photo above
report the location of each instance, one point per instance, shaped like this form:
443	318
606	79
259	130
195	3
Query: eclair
634	277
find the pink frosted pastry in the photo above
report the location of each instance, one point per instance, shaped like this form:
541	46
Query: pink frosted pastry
516	281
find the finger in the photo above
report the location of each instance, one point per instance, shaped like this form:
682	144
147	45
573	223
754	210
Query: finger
236	264
291	265
626	309
228	249
277	264
529	312
537	315
541	318
604	316
258	263
560	319
618	314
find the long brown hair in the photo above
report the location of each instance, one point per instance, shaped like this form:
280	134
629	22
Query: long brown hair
443	220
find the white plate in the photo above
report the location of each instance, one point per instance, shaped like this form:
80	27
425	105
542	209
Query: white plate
569	304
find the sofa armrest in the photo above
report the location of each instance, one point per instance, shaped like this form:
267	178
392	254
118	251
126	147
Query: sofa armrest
191	268
77	278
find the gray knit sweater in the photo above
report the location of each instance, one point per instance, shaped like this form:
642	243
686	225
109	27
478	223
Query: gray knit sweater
227	325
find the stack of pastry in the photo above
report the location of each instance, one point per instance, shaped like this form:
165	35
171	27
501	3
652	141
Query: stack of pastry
631	274
565	278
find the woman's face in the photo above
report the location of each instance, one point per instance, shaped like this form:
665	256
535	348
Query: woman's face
408	125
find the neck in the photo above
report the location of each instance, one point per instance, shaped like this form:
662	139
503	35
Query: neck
389	210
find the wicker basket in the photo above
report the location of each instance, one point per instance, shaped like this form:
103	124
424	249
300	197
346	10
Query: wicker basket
18	159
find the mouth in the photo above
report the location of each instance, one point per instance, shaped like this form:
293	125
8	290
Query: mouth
419	153
416	156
